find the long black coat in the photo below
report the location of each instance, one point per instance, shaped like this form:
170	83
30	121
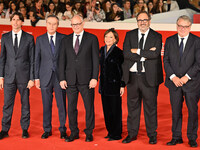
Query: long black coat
111	71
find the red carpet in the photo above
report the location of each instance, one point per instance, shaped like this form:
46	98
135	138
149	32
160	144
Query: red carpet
15	142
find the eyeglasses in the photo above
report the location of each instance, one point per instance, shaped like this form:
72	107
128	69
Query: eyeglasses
183	27
144	20
77	24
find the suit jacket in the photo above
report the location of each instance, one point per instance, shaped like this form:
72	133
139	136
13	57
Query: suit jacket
80	68
189	63
152	64
45	61
18	65
111	71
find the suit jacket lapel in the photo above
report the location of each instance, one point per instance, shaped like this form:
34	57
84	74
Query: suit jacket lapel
22	42
57	44
135	39
148	39
187	46
82	41
10	40
46	42
176	47
71	41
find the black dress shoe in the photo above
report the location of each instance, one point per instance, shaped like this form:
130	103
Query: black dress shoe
71	138
175	141
192	143
129	139
63	135
3	134
89	138
25	134
153	140
45	135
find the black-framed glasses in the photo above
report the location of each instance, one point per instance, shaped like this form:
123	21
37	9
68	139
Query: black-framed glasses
183	27
77	24
144	20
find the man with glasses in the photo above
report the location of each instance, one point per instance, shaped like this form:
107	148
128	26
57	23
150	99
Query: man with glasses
78	72
142	72
182	64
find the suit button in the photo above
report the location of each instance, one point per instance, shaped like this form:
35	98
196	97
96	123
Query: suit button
76	60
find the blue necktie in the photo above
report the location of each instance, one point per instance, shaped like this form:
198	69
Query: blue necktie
181	47
52	45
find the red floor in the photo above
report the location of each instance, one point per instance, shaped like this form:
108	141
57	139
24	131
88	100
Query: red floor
15	142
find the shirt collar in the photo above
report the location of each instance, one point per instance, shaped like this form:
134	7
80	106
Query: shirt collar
81	34
146	33
54	35
18	34
185	38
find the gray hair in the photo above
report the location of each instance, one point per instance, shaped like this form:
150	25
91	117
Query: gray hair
53	16
185	18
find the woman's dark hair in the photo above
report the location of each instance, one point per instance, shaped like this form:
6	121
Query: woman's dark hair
114	33
11	11
51	2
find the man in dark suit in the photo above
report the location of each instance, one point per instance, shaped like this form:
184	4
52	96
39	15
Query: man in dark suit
182	65
16	73
78	72
142	72
46	56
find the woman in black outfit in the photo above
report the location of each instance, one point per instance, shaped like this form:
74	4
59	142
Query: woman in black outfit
111	86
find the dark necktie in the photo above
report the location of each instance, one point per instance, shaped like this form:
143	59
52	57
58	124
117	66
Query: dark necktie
52	45
16	44
76	47
139	64
181	47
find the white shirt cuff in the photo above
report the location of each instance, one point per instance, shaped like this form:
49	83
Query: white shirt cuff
138	51
171	77
142	59
188	76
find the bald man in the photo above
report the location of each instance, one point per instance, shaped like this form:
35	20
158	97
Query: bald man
78	72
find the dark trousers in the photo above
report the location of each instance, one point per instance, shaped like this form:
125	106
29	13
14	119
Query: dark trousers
88	99
191	99
112	108
9	98
138	90
47	98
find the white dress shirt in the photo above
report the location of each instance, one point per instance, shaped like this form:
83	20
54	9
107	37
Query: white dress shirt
184	43
54	38
75	37
19	35
134	67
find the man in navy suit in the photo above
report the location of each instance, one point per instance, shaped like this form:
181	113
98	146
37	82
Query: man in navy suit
46	55
16	73
182	67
